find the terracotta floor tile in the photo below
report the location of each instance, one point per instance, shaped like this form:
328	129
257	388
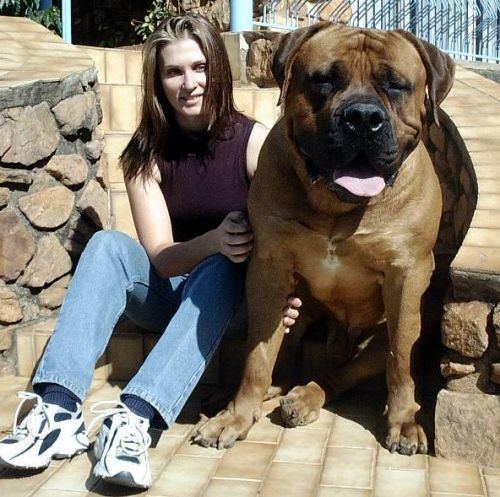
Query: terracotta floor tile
60	493
397	461
324	422
265	430
451	476
487	470
75	475
291	480
488	201
343	492
396	483
454	495
184	476
349	433
19	483
492	485
162	453
478	258
347	467
487	157
191	449
246	461
231	488
488	185
302	446
469	118
486	219
483	237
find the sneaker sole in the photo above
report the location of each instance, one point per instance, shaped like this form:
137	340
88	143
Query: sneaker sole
8	465
55	457
123	478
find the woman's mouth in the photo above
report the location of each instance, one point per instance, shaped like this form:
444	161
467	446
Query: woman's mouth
190	99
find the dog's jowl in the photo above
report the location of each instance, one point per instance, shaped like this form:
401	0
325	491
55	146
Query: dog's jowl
346	207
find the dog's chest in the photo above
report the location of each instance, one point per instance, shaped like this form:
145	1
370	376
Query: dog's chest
337	278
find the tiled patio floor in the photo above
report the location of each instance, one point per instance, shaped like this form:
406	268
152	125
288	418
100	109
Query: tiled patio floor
338	456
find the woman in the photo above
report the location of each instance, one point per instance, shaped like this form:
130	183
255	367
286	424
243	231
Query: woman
187	170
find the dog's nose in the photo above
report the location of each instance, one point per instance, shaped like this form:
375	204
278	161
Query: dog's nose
363	118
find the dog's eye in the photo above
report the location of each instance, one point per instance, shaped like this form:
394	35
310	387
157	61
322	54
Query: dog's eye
395	88
322	88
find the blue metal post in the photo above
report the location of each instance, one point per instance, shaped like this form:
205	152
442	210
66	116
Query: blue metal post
45	4
66	20
241	15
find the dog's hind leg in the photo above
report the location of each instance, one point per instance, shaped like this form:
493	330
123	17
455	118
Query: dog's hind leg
303	403
369	361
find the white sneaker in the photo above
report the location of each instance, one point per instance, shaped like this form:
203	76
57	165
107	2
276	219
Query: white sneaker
121	447
47	432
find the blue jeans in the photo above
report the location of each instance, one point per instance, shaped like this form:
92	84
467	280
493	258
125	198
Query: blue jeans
192	313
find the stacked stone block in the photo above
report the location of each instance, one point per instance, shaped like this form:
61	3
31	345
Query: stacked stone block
468	410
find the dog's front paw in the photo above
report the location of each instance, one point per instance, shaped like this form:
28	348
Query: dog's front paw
302	405
406	438
223	430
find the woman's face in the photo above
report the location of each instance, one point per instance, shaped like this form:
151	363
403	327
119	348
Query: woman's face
182	69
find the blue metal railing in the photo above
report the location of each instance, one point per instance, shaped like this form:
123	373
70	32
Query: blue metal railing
466	29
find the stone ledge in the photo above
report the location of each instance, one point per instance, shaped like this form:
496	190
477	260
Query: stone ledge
36	65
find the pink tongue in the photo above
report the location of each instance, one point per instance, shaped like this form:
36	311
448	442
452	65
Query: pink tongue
361	182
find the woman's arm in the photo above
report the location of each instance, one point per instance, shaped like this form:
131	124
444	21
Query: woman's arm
152	222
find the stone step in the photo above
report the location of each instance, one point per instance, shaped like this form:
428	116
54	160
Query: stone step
130	344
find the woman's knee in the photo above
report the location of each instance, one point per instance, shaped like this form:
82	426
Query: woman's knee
110	243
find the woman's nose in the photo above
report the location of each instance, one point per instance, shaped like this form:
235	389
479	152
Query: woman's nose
189	80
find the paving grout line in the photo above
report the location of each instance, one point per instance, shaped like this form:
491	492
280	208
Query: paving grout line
234	478
346	486
480	91
270	462
324	452
427	476
483	482
374	468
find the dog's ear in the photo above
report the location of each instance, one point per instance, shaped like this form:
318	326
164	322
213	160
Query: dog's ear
288	47
440	70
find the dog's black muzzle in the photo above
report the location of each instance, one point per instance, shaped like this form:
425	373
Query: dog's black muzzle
363	121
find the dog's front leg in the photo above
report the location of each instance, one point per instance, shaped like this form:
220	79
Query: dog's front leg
267	290
402	293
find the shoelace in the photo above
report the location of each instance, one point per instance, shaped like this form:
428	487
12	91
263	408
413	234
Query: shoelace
28	425
134	440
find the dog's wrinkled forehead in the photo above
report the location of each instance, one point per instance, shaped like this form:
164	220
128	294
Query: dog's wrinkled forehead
363	52
358	54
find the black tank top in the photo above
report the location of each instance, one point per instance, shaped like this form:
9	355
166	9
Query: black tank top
204	179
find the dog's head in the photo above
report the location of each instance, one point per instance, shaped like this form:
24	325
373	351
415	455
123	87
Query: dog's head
355	101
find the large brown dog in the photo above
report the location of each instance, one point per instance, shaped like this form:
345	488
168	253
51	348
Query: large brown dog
345	204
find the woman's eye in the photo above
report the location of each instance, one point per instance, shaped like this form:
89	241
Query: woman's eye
170	73
200	68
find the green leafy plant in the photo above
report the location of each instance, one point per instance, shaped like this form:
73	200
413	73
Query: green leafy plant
50	17
160	10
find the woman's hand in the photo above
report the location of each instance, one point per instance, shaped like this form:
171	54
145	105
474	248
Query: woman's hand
291	313
234	237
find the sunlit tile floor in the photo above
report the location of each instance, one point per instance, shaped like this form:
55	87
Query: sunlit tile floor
337	456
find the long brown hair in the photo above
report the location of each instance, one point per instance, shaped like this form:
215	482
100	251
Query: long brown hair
154	132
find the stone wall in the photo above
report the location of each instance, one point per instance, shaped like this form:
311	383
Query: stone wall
53	193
